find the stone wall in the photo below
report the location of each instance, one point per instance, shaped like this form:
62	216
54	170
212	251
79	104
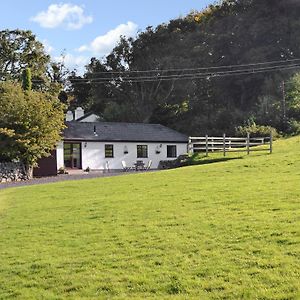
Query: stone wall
180	161
10	171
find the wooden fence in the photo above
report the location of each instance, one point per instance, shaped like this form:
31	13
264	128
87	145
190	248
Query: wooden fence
230	144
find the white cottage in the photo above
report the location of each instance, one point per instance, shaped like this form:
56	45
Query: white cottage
104	145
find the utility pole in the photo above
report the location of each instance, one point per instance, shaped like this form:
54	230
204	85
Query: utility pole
283	104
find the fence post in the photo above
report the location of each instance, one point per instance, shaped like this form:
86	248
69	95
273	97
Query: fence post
248	143
271	143
224	144
190	146
206	145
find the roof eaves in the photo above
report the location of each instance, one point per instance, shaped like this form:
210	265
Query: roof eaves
125	141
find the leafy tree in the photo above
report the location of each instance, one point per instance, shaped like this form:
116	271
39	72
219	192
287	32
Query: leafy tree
19	49
26	80
293	97
30	124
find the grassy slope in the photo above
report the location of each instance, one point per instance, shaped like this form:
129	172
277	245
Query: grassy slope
227	230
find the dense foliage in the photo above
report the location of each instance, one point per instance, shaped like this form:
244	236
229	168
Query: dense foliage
30	124
31	114
26	80
233	32
256	130
19	51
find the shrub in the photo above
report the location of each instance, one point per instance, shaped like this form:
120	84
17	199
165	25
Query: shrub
293	127
256	130
62	170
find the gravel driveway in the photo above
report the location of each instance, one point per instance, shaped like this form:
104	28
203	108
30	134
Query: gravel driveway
58	178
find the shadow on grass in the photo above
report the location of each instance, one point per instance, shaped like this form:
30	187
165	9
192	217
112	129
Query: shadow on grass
195	159
209	161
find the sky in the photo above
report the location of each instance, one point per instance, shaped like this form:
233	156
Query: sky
82	29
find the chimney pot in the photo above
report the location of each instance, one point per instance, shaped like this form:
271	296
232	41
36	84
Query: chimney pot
79	112
69	116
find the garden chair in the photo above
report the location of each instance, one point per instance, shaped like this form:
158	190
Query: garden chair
125	168
146	168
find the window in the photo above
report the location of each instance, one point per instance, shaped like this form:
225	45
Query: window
109	151
171	151
142	151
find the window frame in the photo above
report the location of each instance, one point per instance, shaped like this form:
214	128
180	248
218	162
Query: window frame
142	148
110	150
172	147
75	161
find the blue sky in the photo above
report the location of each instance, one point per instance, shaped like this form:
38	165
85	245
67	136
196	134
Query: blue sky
86	28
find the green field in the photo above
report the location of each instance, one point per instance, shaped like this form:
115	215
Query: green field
226	230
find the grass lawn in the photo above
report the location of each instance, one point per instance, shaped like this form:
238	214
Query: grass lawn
227	230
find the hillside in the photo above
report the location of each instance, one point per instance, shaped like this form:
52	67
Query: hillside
216	69
227	230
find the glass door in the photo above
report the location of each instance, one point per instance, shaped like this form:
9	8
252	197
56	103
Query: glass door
72	155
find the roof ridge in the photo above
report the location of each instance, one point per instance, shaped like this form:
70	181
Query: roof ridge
134	123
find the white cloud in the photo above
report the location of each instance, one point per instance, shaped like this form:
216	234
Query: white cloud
62	15
103	44
73	62
48	48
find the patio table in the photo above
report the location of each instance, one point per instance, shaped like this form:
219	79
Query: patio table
139	165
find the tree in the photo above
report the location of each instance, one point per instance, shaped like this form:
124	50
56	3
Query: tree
26	80
293	97
19	49
30	124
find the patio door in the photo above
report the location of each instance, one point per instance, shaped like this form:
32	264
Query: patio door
72	155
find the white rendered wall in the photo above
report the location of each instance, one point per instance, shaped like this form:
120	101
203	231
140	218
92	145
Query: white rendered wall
60	155
93	154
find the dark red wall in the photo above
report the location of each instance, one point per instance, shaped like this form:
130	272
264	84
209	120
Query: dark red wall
47	166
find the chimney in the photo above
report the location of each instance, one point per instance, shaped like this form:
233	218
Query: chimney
79	112
69	116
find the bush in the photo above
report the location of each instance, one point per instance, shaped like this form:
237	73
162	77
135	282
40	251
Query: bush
293	127
62	170
256	130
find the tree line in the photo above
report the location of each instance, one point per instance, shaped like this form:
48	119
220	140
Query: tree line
142	79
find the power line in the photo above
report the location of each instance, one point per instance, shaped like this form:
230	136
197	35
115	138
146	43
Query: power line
188	75
284	65
199	68
214	76
184	76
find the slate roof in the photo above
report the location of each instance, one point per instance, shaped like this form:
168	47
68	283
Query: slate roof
121	132
85	116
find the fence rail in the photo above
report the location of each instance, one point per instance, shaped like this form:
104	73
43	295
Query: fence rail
229	144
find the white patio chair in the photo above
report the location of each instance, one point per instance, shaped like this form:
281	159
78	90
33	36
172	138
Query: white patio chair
124	166
148	165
